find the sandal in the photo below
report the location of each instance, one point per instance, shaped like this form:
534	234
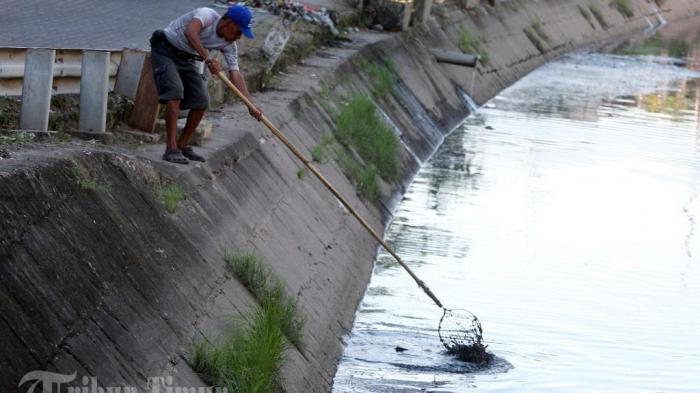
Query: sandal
188	152
175	156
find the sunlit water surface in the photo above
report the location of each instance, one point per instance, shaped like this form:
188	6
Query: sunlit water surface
564	214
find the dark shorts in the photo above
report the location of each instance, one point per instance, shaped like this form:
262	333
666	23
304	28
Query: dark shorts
177	77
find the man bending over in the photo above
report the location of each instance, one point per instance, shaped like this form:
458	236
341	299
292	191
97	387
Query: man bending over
180	85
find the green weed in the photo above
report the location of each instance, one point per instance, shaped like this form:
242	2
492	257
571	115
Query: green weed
326	99
678	48
171	194
598	16
367	183
249	356
93	185
383	78
655	45
300	173
625	7
269	292
88	182
651	46
320	153
359	126
537	27
536	40
19	138
469	43
366	179
587	15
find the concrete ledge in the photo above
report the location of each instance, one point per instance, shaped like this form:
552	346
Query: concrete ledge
102	137
140	283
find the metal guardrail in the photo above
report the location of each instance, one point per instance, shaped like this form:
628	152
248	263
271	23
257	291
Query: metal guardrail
66	71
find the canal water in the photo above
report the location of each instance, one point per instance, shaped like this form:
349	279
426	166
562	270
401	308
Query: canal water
565	214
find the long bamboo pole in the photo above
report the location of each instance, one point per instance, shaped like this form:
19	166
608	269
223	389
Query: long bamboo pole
332	189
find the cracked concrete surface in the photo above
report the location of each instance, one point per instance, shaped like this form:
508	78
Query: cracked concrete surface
110	284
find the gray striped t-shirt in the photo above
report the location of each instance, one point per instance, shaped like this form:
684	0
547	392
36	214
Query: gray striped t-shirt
175	32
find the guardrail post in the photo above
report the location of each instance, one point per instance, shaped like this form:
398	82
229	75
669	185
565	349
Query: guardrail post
129	72
36	89
406	16
94	86
421	11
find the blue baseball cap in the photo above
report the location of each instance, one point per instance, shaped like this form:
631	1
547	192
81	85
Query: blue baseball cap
242	16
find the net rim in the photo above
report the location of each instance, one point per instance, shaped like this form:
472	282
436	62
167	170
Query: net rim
474	320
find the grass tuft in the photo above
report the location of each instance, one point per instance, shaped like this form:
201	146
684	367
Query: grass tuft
587	15
383	78
171	194
16	139
625	7
249	357
88	182
269	292
321	152
364	178
359	126
655	45
679	48
469	43
598	16
536	40
537	27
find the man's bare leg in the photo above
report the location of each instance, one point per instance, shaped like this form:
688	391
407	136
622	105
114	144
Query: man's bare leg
193	119
172	111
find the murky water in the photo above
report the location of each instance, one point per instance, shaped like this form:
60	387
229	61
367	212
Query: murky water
565	215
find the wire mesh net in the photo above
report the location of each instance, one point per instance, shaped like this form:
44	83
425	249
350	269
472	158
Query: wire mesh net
461	333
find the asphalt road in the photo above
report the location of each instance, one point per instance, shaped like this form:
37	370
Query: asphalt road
89	24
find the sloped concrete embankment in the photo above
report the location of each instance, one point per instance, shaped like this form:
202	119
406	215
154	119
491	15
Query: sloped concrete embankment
98	278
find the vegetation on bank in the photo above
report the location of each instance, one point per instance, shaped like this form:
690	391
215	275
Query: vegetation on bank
625	7
359	126
170	193
16	138
537	36
249	356
269	292
366	148
363	144
587	16
656	46
469	43
88	182
599	16
383	78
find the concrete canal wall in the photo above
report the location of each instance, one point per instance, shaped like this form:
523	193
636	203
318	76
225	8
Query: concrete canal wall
98	278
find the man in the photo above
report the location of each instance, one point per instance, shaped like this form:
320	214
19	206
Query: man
180	85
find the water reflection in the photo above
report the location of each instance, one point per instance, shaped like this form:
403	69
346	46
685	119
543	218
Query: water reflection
564	215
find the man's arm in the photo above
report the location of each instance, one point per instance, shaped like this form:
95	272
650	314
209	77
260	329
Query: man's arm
237	78
192	34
